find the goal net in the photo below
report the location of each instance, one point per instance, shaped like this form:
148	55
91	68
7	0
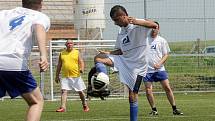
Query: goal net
88	49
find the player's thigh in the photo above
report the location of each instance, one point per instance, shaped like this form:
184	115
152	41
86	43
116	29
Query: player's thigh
103	58
106	61
33	97
148	87
133	96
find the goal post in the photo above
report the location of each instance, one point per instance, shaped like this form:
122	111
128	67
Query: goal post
88	49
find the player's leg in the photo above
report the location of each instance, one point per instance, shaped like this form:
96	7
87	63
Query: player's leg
150	98
63	101
78	85
35	102
163	76
166	86
65	86
22	83
148	80
84	102
100	61
64	94
170	96
133	101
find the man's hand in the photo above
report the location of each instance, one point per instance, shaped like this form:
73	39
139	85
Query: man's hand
132	20
43	64
157	66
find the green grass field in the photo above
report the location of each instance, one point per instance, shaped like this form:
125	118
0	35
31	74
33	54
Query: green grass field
195	106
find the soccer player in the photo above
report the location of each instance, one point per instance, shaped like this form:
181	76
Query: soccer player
72	65
129	54
158	54
19	28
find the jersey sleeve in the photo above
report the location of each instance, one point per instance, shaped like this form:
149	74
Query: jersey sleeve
44	21
165	49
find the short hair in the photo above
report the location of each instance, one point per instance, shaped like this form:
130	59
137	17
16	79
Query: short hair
157	23
115	9
30	3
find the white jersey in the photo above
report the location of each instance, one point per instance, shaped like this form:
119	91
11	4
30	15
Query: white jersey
132	40
16	36
158	48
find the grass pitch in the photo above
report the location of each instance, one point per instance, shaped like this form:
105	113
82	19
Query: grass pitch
195	106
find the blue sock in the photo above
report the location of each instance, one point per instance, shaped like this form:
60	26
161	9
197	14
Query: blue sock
133	111
100	67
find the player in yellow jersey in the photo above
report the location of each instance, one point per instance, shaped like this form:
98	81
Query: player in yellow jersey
72	65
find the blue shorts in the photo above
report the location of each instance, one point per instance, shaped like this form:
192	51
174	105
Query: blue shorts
156	76
16	83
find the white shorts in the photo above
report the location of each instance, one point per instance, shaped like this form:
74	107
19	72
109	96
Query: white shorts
73	83
127	71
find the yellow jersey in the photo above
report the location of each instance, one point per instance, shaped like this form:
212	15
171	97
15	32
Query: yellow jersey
70	65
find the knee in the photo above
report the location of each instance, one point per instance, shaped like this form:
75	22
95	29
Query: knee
41	101
133	97
97	58
36	101
100	58
148	91
167	89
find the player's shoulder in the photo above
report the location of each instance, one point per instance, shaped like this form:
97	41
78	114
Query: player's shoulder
75	50
7	12
33	13
162	39
40	15
44	16
63	51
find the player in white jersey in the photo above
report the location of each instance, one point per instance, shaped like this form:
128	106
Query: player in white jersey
158	54
19	28
129	54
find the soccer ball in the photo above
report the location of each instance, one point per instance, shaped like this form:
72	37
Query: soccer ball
99	81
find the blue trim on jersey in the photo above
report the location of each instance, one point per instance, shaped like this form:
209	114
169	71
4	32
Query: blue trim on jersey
16	83
156	76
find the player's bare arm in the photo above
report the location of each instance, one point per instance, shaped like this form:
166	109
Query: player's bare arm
140	22
81	63
114	52
40	34
162	61
59	65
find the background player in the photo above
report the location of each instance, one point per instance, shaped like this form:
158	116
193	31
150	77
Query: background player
72	65
158	54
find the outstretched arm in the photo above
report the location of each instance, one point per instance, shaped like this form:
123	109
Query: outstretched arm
141	22
114	52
